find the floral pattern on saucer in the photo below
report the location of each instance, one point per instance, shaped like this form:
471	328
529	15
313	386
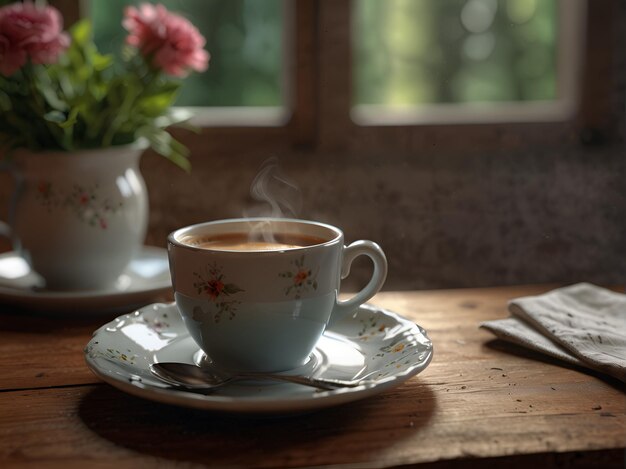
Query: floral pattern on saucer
121	352
396	352
151	328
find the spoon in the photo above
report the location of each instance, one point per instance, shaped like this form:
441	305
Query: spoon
202	378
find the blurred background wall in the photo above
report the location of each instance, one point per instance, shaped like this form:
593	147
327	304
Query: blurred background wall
454	205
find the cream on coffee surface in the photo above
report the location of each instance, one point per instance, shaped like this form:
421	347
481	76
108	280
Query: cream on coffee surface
243	242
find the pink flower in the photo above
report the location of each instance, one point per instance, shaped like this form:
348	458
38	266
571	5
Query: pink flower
170	41
30	31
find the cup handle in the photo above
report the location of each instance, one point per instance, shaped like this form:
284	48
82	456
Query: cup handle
374	252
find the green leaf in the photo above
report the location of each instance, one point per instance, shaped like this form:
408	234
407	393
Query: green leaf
55	116
178	117
52	99
81	32
128	53
101	62
164	144
179	160
5	102
71	119
166	87
156	104
231	289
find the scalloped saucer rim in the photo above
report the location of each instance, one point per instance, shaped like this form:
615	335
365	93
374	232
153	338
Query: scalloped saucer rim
374	343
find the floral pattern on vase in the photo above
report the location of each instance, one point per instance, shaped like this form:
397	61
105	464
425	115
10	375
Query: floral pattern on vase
84	201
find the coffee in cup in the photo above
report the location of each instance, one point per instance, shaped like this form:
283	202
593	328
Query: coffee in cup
254	241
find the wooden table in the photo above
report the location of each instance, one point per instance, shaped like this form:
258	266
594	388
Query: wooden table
480	403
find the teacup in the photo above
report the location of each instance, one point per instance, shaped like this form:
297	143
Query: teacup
256	294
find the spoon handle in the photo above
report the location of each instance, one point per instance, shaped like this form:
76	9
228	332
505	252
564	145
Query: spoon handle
196	377
320	383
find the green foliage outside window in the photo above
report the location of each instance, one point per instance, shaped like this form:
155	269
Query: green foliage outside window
411	52
405	52
244	38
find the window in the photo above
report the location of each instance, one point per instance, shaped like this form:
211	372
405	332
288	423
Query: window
429	61
325	66
245	79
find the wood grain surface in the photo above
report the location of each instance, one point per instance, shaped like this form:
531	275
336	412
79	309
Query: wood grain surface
481	403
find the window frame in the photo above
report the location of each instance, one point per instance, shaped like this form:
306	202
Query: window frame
319	91
592	116
570	43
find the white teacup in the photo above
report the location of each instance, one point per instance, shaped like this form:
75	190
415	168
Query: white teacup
263	305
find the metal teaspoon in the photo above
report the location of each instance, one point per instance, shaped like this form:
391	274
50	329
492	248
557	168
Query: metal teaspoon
203	378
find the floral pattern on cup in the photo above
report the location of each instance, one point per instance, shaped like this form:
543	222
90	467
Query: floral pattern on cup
84	202
213	284
302	279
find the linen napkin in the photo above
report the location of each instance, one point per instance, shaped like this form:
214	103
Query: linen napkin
581	324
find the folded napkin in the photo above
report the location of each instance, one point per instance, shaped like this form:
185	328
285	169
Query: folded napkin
581	324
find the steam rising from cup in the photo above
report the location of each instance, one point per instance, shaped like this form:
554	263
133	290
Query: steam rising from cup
277	195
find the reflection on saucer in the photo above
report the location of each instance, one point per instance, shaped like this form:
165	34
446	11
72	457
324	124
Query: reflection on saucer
13	267
123	282
146	279
147	267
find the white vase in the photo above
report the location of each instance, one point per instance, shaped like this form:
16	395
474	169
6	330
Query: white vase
79	217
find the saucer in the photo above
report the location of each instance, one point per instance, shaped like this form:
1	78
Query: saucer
374	344
146	279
